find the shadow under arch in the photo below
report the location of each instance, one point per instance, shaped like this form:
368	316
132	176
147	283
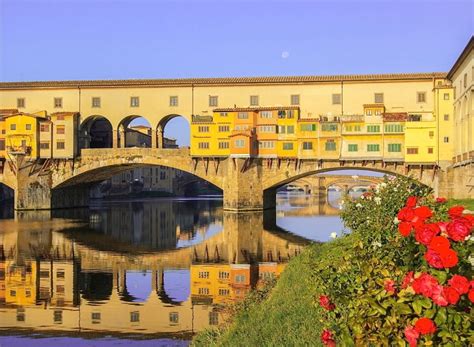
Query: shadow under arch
95	131
164	142
134	136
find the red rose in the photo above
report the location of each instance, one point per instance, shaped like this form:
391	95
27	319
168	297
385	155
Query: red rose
449	258
451	295
439	243
441	200
459	228
443	226
460	284
404	228
411	201
327	338
438	296
425	326
406	214
470	219
389	286
425	233
433	258
407	280
325	303
424	284
456	211
411	335
471	284
423	212
470	295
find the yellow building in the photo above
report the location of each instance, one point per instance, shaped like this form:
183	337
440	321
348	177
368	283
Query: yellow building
22	133
329	138
307	134
394	136
287	146
20	283
211	281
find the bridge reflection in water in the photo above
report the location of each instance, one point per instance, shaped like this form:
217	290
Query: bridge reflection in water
138	268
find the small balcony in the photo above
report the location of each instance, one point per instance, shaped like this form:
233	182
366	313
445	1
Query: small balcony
202	119
395	117
25	150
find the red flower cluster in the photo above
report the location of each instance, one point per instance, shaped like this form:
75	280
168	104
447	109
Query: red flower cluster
439	254
389	286
327	338
423	326
429	287
411	216
325	303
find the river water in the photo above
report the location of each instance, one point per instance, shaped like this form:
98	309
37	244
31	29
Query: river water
144	273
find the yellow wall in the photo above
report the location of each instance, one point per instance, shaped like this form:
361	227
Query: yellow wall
18	137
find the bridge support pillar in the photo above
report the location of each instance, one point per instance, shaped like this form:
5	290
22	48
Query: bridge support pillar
115	140
159	138
243	190
153	138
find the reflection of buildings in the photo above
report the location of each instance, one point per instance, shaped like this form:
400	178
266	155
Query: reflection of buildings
64	282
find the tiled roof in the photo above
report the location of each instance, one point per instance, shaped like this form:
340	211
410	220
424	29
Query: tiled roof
56	114
221	81
256	109
7	111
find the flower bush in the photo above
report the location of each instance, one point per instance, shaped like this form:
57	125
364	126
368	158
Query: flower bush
408	279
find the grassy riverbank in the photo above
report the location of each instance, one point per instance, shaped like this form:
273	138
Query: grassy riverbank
468	203
288	317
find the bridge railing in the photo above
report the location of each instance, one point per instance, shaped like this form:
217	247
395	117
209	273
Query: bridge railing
134	151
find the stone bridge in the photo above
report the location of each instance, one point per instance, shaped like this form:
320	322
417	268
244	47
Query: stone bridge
247	184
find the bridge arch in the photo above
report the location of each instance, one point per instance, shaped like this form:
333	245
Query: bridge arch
162	141
96	131
134	135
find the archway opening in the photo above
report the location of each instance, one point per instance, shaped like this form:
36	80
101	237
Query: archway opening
134	131
96	132
6	201
174	132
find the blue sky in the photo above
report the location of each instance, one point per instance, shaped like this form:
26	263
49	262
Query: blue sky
109	39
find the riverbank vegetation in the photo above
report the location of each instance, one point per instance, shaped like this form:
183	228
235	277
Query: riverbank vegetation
403	276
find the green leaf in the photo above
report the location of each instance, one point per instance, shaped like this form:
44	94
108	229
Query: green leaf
402	308
440	316
417	306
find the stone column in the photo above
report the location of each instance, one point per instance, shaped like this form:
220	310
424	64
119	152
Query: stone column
122	139
114	138
153	138
243	189
160	140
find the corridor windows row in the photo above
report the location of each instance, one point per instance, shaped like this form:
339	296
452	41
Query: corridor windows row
134	101
414	150
46	145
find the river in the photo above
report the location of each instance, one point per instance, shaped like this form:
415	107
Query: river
144	272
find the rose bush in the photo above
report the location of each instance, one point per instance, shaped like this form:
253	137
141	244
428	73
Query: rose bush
408	278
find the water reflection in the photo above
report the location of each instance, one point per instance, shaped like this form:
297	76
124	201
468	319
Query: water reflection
144	269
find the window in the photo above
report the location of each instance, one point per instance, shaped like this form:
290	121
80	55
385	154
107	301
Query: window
134	101
465	80
308	127
287	146
203	274
368	112
58	102
253	100
60	289
421	97
162	175
60	129
378	98
203	129
44	145
446	117
412	150
203	291
348	127
44	274
239	143
174	317
214	316
240	278
223	128
266	114
295	99
95	102
44	128
446	139
60	145
203	145
60	274
373	128
430	150
266	144
223	275
329	127
353	148
281	114
20	102
336	99
393	128
28	126
95	316
307	145
223	114
357	128
281	129
373	148
431	134
134	316
446	96
213	101
58	316
223	145
394	147
290	129
330	145
173	101
242	115
267	128
2	144
414	117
